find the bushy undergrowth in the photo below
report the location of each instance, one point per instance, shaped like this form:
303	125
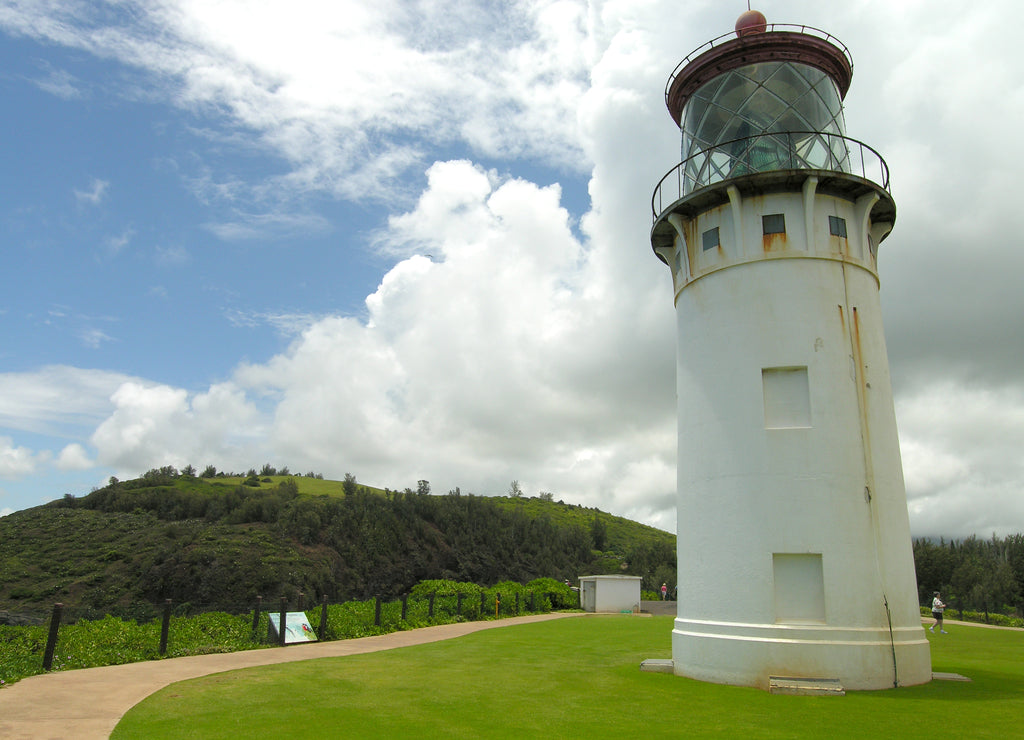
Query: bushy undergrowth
111	640
999	620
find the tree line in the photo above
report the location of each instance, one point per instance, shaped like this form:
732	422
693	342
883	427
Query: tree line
972	574
367	544
355	545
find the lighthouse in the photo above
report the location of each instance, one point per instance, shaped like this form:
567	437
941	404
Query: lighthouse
794	548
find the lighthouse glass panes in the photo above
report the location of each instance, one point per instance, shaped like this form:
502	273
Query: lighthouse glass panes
763	117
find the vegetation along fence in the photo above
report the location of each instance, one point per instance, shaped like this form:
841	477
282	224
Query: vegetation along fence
152	631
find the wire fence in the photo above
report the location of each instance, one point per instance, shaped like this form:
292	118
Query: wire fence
76	637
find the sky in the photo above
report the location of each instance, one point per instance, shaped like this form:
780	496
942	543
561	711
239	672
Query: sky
410	241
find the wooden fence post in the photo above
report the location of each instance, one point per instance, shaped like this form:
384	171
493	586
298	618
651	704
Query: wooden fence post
302	602
51	639
165	626
376	612
497	604
256	615
281	622
323	620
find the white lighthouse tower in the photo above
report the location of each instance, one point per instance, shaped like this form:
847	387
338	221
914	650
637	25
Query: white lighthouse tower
794	544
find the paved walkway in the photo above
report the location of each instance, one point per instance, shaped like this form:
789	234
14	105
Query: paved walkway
86	704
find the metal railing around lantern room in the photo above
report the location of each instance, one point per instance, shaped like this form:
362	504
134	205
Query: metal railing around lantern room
769	152
771	27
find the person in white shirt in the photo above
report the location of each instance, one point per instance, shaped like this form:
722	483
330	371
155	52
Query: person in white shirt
937	608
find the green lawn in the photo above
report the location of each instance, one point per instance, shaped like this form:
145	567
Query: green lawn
574	678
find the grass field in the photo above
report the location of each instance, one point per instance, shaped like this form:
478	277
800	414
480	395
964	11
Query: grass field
576	678
310	486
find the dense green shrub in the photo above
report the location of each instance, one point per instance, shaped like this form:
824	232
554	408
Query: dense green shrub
999	620
110	640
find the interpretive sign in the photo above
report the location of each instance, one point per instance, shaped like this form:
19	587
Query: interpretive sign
296	627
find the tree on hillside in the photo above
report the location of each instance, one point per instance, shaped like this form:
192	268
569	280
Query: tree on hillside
599	532
514	490
423	487
349	485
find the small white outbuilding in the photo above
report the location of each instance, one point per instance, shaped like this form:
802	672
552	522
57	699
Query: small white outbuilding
610	593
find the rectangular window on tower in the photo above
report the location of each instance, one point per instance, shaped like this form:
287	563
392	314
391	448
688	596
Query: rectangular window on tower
837	226
799	587
710	239
787	398
774	223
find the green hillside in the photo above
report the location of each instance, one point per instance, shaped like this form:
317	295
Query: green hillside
218	542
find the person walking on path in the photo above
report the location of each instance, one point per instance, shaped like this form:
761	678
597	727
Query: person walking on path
937	608
664	591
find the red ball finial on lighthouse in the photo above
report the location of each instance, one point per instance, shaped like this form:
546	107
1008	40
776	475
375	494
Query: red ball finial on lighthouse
750	22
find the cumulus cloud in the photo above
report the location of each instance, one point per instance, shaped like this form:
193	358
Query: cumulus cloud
472	367
15	462
497	360
153	425
74	457
508	339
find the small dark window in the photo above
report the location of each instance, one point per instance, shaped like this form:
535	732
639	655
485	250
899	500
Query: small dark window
774	223
711	239
837	226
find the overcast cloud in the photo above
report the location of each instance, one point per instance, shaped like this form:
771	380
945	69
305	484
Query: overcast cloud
510	338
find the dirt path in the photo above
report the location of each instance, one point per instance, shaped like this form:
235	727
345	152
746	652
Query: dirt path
87	703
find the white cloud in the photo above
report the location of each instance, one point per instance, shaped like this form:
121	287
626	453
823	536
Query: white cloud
155	425
349	93
74	457
59	82
15	462
268	226
114	245
172	256
286	324
499	358
56	399
528	346
92	337
95	194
